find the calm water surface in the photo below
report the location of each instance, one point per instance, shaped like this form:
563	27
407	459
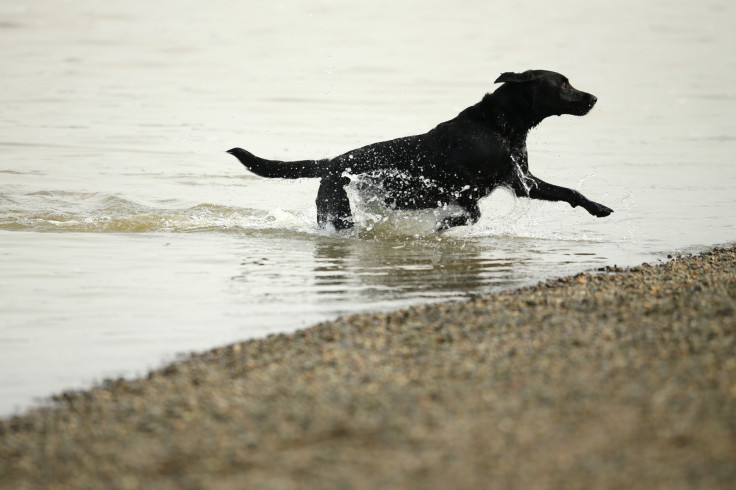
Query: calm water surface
127	235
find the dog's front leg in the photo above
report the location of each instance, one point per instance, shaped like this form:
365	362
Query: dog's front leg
538	189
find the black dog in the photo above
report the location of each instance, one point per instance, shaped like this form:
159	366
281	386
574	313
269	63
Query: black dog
458	162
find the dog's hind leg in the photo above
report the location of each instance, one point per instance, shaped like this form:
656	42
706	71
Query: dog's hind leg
333	205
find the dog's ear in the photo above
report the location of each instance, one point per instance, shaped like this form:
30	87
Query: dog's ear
527	76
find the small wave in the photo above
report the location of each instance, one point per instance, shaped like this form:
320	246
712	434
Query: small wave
89	212
93	213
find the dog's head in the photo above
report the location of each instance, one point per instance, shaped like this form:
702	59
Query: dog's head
549	93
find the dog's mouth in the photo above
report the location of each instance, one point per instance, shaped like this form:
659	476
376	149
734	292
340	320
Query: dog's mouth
583	108
588	104
578	105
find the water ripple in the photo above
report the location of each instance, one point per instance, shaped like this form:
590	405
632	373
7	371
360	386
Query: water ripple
61	211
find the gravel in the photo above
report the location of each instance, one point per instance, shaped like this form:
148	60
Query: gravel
609	379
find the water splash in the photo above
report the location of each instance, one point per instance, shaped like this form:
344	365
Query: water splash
521	175
375	219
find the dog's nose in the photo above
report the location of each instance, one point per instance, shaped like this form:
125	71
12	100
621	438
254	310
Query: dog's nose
593	100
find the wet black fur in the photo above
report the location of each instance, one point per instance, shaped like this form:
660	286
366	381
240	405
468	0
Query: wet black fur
458	162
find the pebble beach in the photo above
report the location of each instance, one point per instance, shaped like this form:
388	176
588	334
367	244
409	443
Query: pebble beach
615	378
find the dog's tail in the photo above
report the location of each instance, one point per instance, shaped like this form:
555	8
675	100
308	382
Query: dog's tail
279	169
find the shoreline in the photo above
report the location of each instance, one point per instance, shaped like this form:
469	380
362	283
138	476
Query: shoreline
624	377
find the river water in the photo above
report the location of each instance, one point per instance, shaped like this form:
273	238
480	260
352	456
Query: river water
128	235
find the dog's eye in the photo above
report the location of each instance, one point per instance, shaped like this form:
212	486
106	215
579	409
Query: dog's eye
564	85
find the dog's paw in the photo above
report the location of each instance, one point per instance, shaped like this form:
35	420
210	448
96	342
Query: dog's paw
598	210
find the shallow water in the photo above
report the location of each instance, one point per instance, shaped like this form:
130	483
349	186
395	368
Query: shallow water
127	235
